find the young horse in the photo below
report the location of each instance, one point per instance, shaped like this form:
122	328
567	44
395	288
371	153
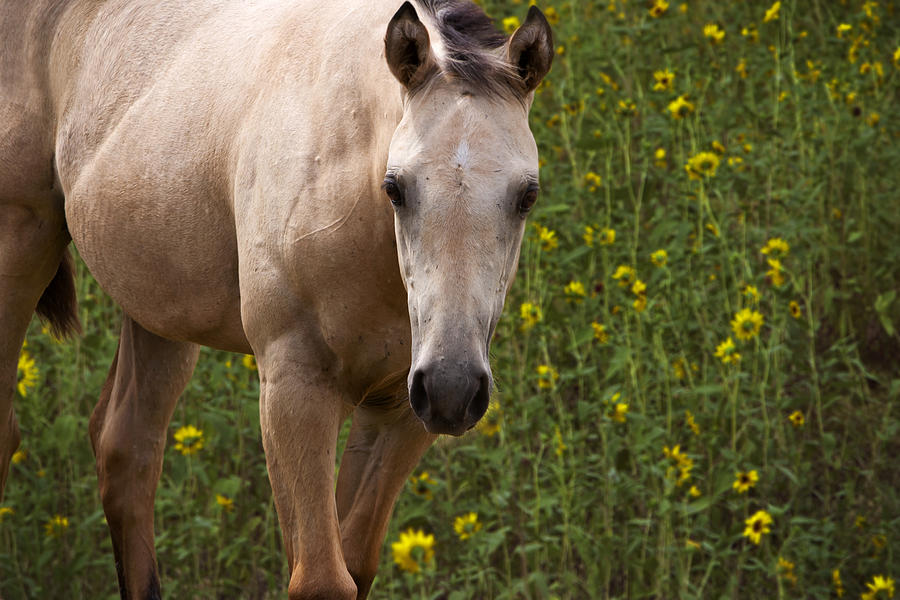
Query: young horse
222	167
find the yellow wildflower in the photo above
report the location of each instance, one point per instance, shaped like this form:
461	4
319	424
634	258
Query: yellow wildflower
744	480
842	29
422	485
664	80
27	373
249	362
56	526
530	314
678	368
796	419
547	238
694	491
19	456
547	376
225	502
607	236
751	292
560	444
5	510
510	24
772	13
757	525
680	107
189	440
414	550
777	247
588	236
775	272
640	303
727	352
492	420
593	180
712	31
785	570
575	291
746	324
467	525
600	333
691	423
625	275
703	164
620	412
552	15
879	583
750	32
660	156
659	258
795	309
838	584
659	8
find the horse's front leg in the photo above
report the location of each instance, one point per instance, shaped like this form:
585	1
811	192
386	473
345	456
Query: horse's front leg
301	411
383	449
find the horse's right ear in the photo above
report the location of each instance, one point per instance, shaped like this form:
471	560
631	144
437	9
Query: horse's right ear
407	47
530	49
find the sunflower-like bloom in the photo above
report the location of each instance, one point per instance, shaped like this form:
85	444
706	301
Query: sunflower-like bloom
772	13
796	419
659	258
702	164
56	526
714	33
744	480
625	275
679	108
777	247
189	440
757	525
414	550
467	525
746	324
664	80
530	314
727	352
547	376
28	373
879	583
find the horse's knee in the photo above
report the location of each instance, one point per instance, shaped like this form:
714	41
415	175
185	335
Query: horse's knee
305	585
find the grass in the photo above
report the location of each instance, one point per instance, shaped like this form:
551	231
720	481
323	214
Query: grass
609	463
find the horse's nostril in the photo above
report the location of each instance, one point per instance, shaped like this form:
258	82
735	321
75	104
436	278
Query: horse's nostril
478	405
418	397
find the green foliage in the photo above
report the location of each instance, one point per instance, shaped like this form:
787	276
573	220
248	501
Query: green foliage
616	478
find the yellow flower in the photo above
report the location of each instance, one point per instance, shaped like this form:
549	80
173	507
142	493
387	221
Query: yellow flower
225	502
873	119
639	288
600	333
702	164
691	423
547	238
772	13
490	423
680	107
751	292
414	550
625	275
712	31
530	314
588	236
249	362
757	525
842	29
547	376
560	444
593	180
750	32
466	525
626	107
620	412
664	80
5	510
660	156
19	456
575	291
694	491
741	68
510	24
640	303
797	419
775	272
777	247
659	258
678	368
552	15
422	485
746	324
607	236
838	584
727	352
785	570
795	309
744	480
659	8
880	583
27	373
189	440
896	57
56	526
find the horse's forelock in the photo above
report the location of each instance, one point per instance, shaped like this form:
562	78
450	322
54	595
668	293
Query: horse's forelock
473	47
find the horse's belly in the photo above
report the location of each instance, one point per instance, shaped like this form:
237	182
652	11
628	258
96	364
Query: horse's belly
162	246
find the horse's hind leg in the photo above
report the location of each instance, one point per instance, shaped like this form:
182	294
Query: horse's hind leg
128	432
33	239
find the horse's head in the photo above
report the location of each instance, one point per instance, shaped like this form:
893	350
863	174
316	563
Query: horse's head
462	175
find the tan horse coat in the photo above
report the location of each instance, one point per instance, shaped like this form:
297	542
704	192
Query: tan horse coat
217	164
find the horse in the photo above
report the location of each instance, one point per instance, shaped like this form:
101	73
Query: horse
339	188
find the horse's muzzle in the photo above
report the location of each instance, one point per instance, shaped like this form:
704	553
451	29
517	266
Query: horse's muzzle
449	399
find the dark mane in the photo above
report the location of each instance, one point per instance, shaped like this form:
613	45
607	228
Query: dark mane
471	41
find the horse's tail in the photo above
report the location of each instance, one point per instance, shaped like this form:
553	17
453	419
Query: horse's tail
59	304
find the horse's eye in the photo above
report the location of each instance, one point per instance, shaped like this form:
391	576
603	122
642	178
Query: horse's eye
392	190
528	199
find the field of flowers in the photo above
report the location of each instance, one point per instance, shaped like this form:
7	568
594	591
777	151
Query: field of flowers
698	369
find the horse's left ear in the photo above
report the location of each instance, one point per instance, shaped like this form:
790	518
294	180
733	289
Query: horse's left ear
407	47
530	49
